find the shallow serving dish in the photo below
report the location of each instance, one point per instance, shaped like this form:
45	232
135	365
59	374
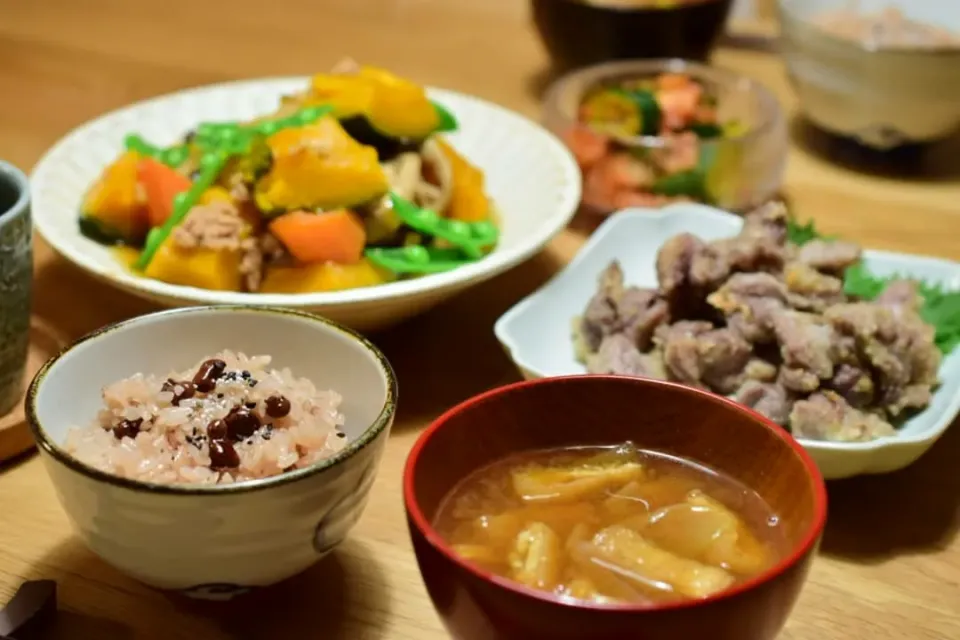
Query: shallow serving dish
745	170
882	97
536	332
583	410
530	176
215	541
577	33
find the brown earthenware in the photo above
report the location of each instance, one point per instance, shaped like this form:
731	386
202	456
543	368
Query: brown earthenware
595	410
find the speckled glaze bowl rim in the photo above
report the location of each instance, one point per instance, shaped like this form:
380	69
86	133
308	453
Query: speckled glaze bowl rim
807	543
771	111
19	180
369	435
787	14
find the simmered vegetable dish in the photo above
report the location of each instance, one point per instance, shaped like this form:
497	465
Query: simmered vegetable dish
611	524
348	184
653	141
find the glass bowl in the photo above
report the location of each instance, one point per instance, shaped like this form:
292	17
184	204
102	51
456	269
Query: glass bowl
736	172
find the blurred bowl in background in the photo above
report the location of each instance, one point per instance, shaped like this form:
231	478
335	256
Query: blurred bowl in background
578	33
882	97
734	172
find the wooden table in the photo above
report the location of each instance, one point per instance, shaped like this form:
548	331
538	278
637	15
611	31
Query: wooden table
890	565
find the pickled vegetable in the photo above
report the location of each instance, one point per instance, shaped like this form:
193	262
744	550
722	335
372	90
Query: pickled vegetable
693	156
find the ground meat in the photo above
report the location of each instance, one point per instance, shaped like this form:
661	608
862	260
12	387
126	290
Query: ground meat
251	264
239	191
217	225
827	416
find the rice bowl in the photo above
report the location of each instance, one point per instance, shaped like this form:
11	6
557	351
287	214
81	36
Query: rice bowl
192	530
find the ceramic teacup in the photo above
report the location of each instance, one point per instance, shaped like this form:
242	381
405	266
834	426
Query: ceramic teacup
16	272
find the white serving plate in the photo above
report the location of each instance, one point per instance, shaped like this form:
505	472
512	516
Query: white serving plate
530	175
536	331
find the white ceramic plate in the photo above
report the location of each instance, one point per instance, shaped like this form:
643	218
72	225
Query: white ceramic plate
536	331
530	175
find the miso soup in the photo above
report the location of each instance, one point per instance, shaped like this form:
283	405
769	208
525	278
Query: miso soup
611	524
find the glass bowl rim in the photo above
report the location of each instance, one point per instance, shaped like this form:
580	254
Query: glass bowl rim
770	112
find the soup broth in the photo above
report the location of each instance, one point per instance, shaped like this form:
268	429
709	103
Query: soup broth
611	524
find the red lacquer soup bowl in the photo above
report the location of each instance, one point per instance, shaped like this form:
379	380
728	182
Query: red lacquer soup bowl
602	410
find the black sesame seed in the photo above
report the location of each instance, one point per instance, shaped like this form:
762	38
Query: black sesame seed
341	434
220	396
246	375
250	405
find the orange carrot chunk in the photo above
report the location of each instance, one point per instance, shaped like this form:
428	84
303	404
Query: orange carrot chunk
160	184
334	236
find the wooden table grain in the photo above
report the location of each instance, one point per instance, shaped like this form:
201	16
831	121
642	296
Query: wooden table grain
890	563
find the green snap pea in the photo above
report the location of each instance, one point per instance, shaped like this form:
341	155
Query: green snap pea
471	238
417	259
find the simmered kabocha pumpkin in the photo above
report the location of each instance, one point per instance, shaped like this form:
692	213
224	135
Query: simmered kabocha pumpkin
114	209
393	106
319	166
216	269
323	276
468	199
